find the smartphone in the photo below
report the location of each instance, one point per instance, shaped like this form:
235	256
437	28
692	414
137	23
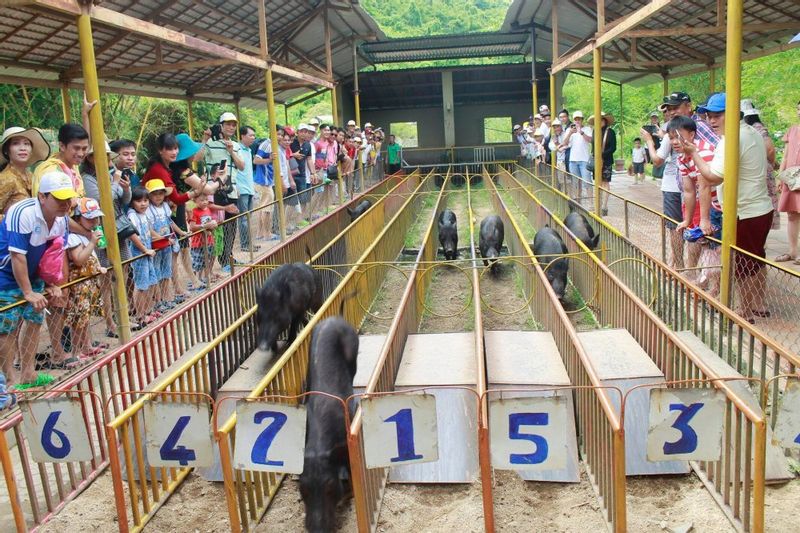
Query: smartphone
222	164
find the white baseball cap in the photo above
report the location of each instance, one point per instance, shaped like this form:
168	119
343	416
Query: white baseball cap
227	116
314	122
302	127
58	184
577	114
311	128
351	122
368	125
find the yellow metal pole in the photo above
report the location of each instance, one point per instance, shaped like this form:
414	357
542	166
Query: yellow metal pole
334	107
190	117
553	119
665	84
733	93
534	95
101	165
238	117
65	105
598	125
276	160
355	86
273	121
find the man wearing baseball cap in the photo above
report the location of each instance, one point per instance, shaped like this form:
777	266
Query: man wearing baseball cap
30	227
351	128
753	205
228	150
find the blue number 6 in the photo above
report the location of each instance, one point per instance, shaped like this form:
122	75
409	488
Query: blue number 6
515	420
48	430
688	441
260	448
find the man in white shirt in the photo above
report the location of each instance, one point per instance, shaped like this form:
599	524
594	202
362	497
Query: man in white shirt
753	205
579	138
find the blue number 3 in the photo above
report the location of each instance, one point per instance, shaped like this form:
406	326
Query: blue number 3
48	430
515	420
259	452
688	441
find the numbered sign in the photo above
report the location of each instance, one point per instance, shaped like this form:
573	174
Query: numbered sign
400	430
529	433
178	434
787	430
685	424
270	437
56	430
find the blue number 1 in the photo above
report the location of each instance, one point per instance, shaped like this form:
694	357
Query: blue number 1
515	420
688	441
260	448
405	436
48	430
170	452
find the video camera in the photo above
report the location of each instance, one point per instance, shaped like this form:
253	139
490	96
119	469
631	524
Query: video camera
216	132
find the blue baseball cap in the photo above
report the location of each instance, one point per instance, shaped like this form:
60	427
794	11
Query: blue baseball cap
715	104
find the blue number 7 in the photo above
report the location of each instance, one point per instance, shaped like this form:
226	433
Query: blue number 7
515	420
260	448
688	441
170	452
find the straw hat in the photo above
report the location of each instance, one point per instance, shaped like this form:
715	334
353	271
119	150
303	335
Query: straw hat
155	185
608	116
40	150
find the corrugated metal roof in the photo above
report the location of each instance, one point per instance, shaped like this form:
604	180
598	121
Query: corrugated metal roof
445	47
655	55
41	45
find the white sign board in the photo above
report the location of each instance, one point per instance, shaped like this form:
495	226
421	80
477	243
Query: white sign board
56	430
529	433
787	430
270	437
400	430
178	434
685	424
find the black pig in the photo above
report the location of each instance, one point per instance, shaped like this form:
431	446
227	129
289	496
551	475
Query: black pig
491	240
360	209
448	234
547	246
581	228
289	292
326	471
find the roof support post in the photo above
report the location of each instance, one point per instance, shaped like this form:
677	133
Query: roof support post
65	106
712	72
238	112
190	117
328	54
273	122
92	88
597	136
665	83
553	108
355	86
535	96
334	107
447	109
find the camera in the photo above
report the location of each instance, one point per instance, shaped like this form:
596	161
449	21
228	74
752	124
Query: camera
127	174
216	132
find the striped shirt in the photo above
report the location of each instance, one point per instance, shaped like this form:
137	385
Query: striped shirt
688	169
705	131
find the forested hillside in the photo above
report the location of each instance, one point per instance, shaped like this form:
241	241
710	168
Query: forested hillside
773	83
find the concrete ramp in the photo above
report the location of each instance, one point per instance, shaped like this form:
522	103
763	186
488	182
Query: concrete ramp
530	360
369	348
620	361
246	377
777	469
438	359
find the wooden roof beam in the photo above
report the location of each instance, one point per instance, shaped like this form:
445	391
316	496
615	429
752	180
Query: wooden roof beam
629	64
627	23
711	30
161	67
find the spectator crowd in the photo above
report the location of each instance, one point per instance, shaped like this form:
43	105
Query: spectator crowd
172	219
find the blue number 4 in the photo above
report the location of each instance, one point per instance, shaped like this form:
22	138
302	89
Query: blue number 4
48	430
515	420
687	443
260	448
170	452
405	436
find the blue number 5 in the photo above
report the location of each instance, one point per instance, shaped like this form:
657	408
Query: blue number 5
170	452
48	430
515	420
688	441
259	452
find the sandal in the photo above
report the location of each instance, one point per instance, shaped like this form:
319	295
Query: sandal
784	258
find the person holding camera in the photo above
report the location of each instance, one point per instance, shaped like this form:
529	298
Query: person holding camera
225	152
